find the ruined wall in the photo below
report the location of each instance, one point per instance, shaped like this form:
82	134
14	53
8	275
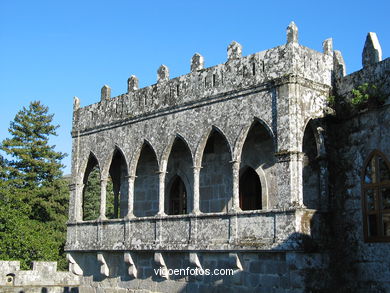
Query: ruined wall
264	112
359	265
43	277
207	128
364	265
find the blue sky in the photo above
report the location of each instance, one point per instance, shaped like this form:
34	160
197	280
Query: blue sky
54	50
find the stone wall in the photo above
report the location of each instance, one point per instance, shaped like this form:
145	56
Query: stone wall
208	129
43	277
264	112
359	263
217	272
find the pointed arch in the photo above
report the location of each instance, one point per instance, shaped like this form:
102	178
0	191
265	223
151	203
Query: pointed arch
203	141
91	190
179	163
215	180
318	131
146	185
375	181
137	154
239	144
310	168
117	186
91	162
256	150
84	164
168	150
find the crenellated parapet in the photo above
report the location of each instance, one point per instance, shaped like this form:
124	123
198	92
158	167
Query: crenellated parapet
375	71
43	274
256	71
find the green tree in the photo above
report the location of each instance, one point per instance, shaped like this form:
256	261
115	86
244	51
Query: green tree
33	188
91	198
22	238
34	162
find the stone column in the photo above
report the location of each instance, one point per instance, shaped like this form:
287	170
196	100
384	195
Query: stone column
73	203
161	194
130	199
236	184
103	192
78	202
289	180
195	206
297	183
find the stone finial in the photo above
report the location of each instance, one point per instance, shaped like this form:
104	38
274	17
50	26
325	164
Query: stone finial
197	62
372	52
327	46
76	103
234	50
338	64
105	93
132	83
162	73
292	33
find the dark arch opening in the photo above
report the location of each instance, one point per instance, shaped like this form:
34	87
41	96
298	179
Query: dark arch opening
215	180
177	197
310	170
258	153
179	164
250	190
91	191
146	185
117	187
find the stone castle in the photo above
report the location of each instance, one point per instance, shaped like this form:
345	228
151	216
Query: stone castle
252	167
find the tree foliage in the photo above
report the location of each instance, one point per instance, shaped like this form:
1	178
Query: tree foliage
34	162
91	198
33	192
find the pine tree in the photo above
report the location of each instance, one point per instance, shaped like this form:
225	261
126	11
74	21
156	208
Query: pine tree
91	198
33	188
34	162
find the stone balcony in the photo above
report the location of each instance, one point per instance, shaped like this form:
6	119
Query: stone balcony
246	230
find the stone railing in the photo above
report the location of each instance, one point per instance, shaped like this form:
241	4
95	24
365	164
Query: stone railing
249	230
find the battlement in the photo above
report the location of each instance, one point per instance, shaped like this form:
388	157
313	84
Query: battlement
43	274
377	72
206	85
